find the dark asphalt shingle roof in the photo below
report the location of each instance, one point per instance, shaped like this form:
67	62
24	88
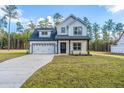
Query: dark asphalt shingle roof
35	35
66	37
44	29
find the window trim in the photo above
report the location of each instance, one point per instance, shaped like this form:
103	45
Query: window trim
62	30
77	46
67	27
44	33
76	31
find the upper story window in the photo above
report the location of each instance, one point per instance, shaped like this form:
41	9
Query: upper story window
44	33
67	28
62	29
77	30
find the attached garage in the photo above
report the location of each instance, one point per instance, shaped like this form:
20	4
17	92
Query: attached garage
43	48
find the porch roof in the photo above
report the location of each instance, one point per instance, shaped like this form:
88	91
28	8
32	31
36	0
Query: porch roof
66	37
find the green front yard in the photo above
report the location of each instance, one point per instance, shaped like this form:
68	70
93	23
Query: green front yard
5	54
99	70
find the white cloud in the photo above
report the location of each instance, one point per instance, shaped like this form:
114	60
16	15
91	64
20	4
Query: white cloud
23	20
50	19
40	19
2	13
20	19
19	11
114	8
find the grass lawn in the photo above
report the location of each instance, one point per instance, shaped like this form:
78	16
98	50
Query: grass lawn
100	70
5	54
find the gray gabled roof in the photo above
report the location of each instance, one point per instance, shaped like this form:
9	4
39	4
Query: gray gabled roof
66	37
75	18
35	35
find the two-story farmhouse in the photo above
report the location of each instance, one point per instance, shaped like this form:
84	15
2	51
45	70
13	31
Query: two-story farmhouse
69	37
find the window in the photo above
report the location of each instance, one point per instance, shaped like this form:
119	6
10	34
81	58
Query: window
77	30
67	28
76	46
44	33
62	29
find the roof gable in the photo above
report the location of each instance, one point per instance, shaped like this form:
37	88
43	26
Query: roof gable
75	19
122	35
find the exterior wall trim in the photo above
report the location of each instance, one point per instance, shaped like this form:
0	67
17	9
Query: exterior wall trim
69	46
88	47
57	46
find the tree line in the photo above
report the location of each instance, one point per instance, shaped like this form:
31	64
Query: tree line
19	39
102	37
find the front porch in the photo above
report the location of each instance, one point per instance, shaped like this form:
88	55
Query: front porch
73	47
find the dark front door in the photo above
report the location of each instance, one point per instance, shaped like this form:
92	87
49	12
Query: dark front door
63	47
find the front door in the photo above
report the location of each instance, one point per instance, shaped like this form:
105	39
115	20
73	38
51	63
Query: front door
63	47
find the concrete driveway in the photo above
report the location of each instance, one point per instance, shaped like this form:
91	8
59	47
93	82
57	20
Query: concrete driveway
14	72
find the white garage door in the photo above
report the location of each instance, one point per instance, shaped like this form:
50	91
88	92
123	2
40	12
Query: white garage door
43	48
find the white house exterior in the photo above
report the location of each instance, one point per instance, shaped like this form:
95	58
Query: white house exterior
119	47
69	37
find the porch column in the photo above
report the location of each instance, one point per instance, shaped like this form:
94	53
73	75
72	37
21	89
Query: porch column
88	47
30	47
57	46
69	47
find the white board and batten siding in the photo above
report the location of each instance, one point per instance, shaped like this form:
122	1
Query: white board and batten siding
79	24
119	48
71	23
64	24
